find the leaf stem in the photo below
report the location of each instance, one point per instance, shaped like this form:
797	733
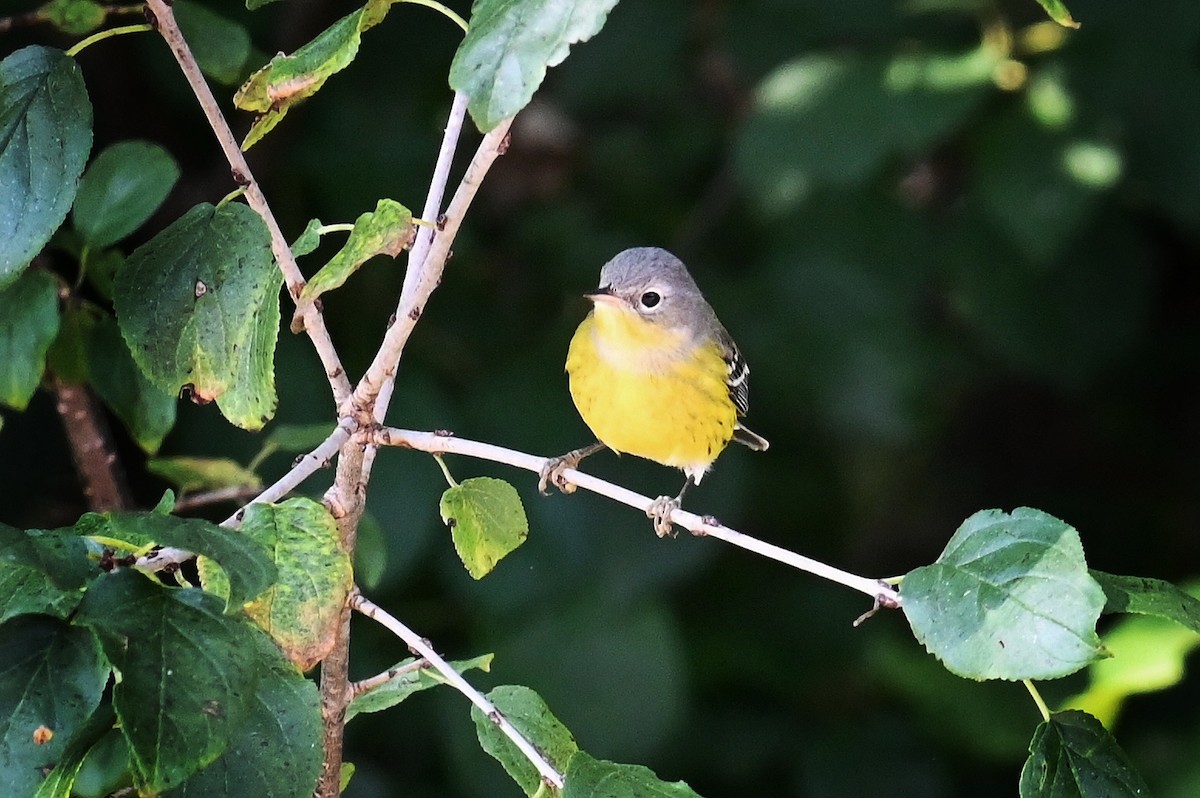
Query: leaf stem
117	544
1037	699
445	470
422	648
107	34
446	12
344	227
231	196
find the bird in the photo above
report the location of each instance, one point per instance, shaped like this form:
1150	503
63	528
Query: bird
653	373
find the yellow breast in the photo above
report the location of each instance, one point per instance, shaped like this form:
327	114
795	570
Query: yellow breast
649	391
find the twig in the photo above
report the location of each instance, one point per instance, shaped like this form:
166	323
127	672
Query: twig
380	679
429	272
233	493
304	467
314	322
418	256
418	645
706	526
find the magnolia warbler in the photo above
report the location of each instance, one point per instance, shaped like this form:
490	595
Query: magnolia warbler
654	374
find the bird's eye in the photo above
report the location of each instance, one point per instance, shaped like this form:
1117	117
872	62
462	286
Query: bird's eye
650	299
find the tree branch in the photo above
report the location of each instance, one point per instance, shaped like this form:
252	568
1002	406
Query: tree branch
163	18
91	447
419	646
706	526
426	276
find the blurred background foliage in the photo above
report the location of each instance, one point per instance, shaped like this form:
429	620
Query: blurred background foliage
958	245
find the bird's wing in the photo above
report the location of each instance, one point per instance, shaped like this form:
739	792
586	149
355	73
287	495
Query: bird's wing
738	376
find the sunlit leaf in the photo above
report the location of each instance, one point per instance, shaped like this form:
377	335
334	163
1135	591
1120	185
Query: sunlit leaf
1058	12
409	680
510	45
596	778
290	79
124	185
388	230
1073	756
28	323
486	520
45	138
51	678
1009	598
529	715
301	610
174	642
199	307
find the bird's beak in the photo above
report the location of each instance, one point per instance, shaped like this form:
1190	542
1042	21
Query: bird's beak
603	295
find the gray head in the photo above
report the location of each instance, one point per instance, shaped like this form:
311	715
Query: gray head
656	285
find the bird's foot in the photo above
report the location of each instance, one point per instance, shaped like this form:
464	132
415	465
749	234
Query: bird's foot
552	471
660	511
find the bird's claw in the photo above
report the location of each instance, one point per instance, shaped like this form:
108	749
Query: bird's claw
552	474
660	511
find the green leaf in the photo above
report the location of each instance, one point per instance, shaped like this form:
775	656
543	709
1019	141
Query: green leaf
202	473
147	412
388	230
199	306
1142	596
174	643
105	769
221	46
45	138
290	79
51	678
42	571
67	355
277	750
510	45
309	240
1148	654
76	17
370	553
596	778
254	5
302	609
28	323
60	781
1058	12
835	120
125	184
247	565
528	713
486	520
102	268
1009	598
1073	756
409	680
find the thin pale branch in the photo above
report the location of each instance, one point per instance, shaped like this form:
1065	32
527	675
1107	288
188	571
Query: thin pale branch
706	526
305	466
415	642
163	18
382	678
429	273
233	493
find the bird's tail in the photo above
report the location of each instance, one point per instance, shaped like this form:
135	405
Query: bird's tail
752	439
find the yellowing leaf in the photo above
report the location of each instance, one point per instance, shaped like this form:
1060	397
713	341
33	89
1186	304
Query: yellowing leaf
486	520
